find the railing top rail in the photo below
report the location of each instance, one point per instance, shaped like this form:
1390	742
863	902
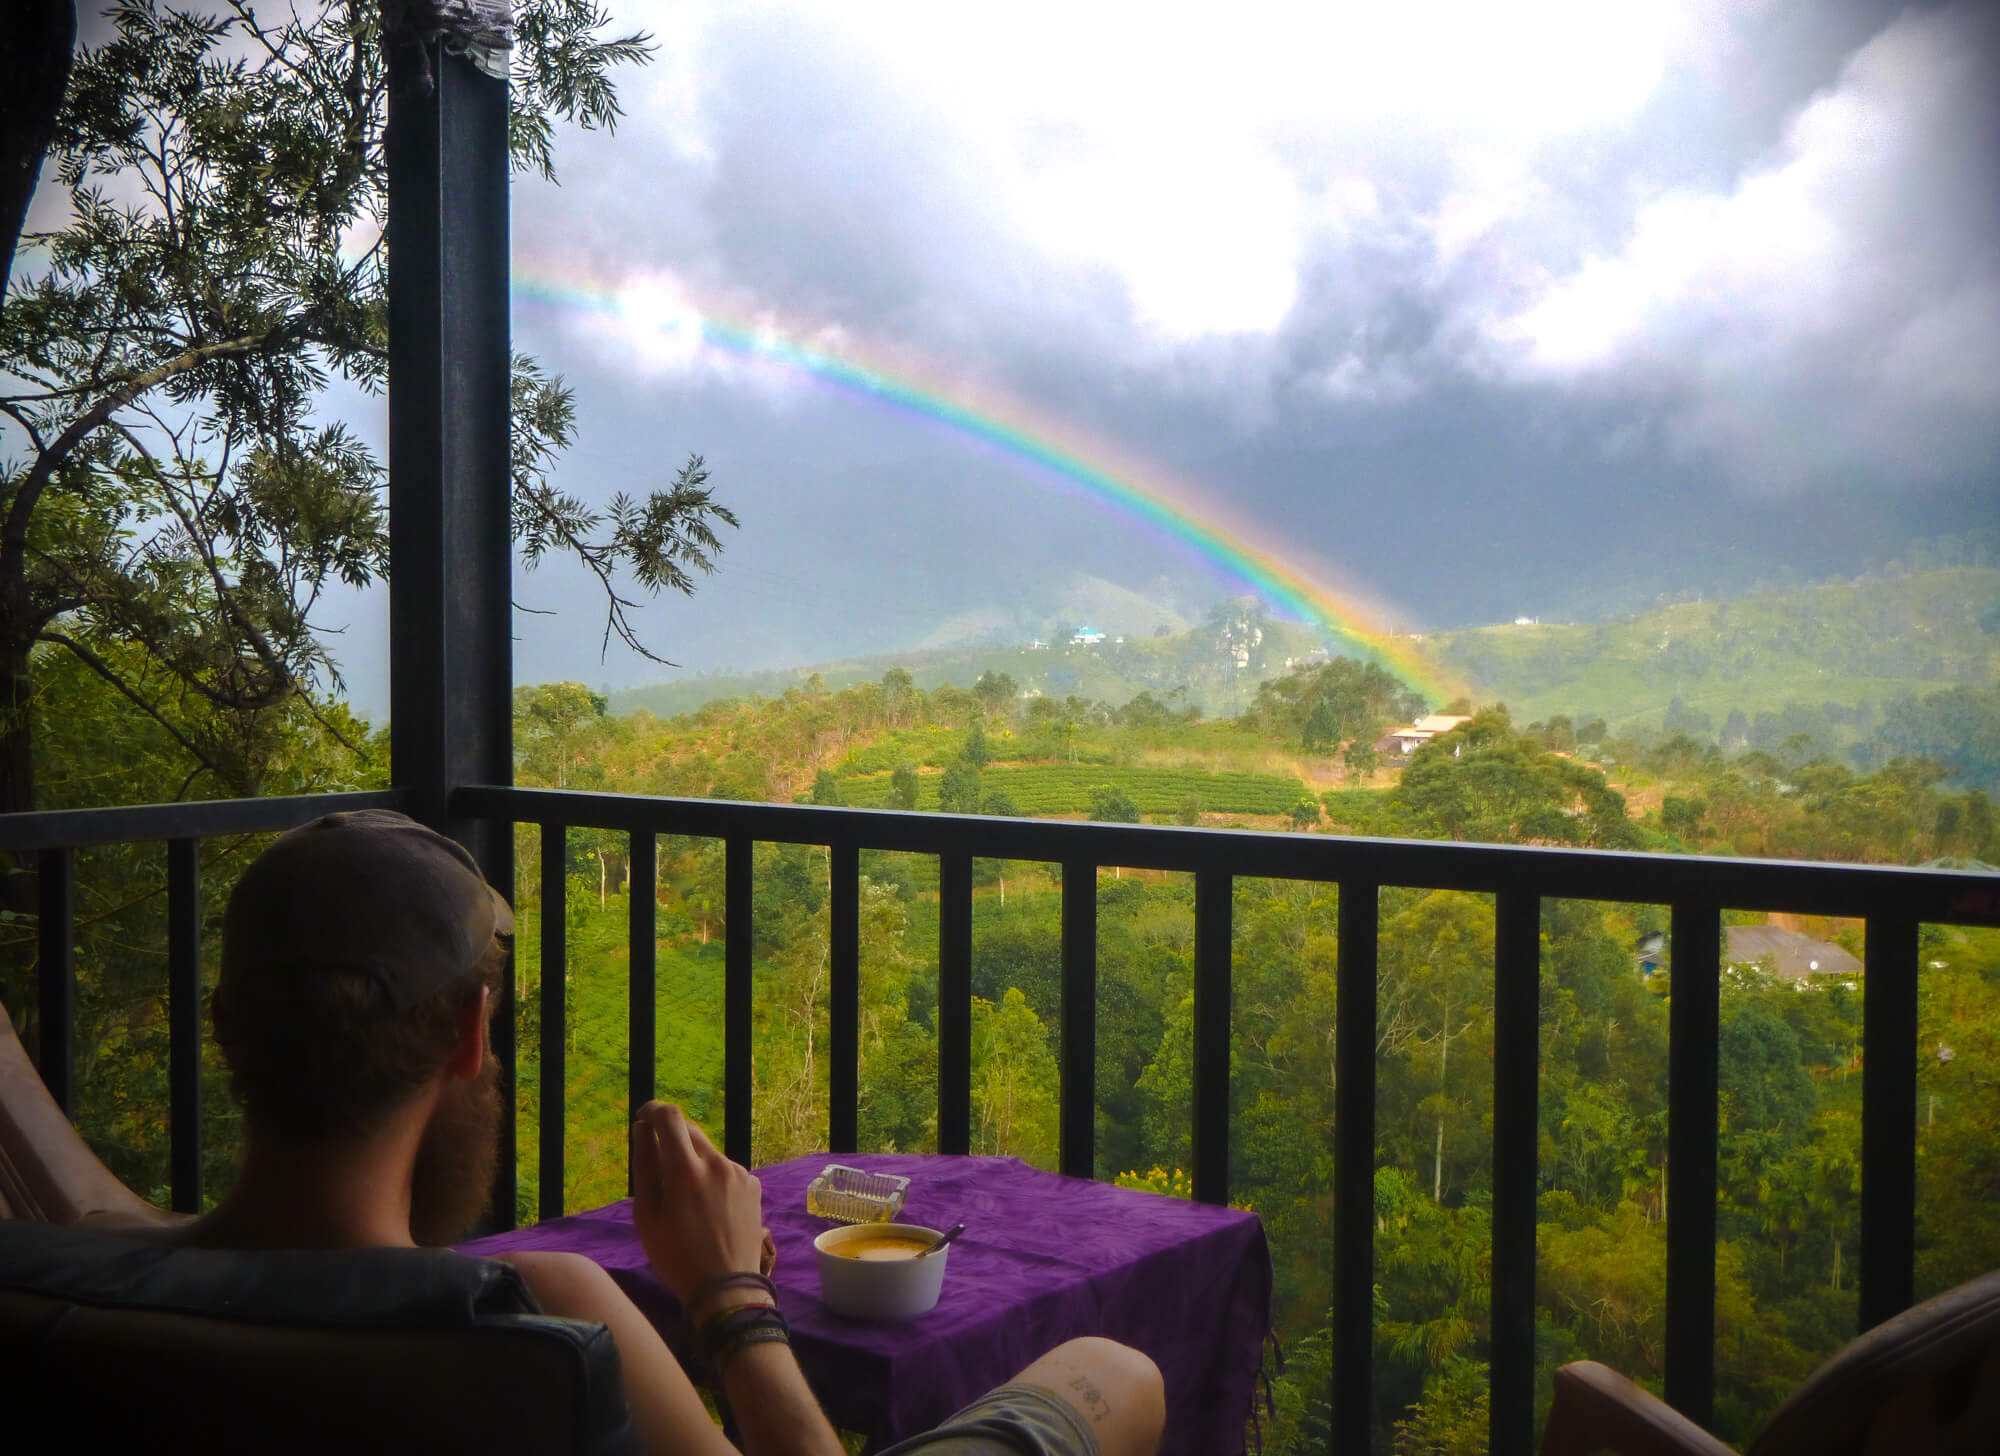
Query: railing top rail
1795	886
199	819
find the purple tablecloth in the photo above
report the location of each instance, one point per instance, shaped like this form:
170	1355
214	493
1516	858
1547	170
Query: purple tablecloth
1043	1259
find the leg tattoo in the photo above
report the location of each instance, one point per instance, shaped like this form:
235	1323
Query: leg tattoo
1093	1399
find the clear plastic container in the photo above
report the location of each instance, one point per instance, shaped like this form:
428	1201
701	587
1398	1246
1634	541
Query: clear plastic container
853	1195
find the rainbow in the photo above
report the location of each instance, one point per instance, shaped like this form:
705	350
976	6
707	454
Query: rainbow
1056	451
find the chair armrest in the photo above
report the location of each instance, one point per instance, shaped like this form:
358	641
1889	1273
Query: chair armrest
48	1174
1596	1409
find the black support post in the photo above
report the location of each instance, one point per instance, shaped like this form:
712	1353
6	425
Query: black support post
1212	892
1354	1169
1077	1156
1693	1022
1517	1008
1889	1119
738	1000
954	1009
642	950
555	1016
450	549
184	1021
843	1012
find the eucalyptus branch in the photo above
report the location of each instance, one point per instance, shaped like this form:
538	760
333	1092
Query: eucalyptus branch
104	670
29	493
25	421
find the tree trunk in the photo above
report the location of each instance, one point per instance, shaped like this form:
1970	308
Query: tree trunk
1437	1165
17	768
42	35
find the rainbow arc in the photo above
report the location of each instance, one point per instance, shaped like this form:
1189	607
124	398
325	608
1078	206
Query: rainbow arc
1055	451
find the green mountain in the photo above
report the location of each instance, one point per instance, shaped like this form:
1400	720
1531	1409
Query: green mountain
1848	644
1216	665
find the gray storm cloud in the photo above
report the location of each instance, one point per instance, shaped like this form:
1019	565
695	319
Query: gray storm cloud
1834	312
1204	219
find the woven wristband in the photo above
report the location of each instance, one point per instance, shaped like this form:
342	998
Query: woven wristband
730	1281
727	1333
743	1339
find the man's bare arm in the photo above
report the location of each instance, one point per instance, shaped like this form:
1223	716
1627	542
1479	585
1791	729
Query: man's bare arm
665	1407
775	1409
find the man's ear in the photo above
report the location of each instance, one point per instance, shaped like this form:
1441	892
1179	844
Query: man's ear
468	1048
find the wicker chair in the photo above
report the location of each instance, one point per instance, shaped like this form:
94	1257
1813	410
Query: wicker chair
1926	1383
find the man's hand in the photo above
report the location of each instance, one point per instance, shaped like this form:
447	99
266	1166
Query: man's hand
698	1215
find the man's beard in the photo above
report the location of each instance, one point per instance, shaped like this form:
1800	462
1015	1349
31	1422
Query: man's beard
452	1182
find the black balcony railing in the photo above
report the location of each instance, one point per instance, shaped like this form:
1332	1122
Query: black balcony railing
1891	902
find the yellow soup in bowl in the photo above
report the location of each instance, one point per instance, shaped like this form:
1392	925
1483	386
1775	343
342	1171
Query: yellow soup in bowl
871	1271
880	1247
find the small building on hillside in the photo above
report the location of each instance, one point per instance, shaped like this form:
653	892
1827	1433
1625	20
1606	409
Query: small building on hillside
1789	955
1086	636
1408	740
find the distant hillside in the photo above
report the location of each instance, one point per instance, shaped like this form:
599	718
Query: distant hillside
1216	665
1846	643
1748	671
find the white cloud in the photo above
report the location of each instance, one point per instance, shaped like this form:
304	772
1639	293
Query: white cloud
1833	310
1190	155
1338	205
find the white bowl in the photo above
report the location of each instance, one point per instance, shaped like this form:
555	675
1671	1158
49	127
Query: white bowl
879	1289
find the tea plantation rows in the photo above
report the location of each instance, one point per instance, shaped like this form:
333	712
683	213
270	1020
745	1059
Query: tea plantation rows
1065	788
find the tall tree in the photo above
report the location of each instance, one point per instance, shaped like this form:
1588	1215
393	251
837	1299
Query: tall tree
41	35
172	483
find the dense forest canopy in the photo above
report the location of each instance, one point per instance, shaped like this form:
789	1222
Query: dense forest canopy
1792	1055
1791	1052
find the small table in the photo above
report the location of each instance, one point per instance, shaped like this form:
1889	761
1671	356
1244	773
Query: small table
1043	1259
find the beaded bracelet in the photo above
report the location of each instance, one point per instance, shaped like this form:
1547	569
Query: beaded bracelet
730	1281
729	1333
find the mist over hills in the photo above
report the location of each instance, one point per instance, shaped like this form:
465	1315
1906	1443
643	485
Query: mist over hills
1706	666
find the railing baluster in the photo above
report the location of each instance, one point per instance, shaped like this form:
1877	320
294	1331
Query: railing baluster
1692	1129
642	943
1078	1111
503	1209
738	958
1212	891
1354	1170
56	1008
1888	1118
1889	1095
555	1022
184	1021
843	1080
954	1010
1517	999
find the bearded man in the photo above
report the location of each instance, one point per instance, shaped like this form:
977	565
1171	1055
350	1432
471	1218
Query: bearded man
360	955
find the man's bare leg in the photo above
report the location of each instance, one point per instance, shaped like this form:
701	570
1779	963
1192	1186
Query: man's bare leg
1116	1389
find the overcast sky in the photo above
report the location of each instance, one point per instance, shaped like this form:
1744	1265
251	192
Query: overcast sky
1482	309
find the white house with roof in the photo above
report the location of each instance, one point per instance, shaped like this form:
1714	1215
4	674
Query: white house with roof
1787	954
1410	739
1086	636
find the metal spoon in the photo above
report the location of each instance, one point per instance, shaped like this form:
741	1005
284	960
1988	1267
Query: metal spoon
953	1232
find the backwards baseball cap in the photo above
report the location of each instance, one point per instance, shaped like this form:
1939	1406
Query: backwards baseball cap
370	892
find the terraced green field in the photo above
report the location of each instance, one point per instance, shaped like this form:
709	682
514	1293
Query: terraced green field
1065	788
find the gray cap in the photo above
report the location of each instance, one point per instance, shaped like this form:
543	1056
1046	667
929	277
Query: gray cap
368	891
